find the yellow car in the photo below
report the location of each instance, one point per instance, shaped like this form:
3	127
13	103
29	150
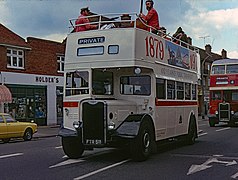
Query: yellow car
10	128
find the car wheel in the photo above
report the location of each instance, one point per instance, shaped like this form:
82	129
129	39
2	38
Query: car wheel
6	140
141	146
28	135
73	147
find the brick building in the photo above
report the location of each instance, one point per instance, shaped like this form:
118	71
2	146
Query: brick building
207	57
33	72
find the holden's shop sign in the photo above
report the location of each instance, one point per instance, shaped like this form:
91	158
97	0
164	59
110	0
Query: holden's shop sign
45	79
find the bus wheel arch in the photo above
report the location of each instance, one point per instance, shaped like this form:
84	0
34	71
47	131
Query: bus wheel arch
144	143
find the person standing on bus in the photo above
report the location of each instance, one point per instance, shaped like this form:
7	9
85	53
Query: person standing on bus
152	17
82	19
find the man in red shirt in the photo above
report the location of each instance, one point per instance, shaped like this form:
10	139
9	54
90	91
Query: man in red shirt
152	17
82	19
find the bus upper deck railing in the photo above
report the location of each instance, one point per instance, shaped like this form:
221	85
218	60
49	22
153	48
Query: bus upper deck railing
125	20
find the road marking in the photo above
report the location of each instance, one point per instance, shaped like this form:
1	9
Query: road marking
11	155
67	162
203	134
223	129
100	170
58	147
235	175
204	156
196	168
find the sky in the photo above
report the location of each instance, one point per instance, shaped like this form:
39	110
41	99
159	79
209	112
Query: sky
211	22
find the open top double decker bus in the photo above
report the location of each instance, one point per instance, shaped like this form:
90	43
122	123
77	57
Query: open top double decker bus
127	87
223	105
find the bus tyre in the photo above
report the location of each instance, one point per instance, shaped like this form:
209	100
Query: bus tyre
141	146
72	147
192	132
211	122
231	123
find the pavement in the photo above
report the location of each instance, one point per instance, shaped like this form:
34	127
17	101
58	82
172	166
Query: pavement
52	131
47	131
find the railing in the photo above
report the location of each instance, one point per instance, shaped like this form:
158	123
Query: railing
125	20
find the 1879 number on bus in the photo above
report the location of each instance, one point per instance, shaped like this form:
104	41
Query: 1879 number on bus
154	47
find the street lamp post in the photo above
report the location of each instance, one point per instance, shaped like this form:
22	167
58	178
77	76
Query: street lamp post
203	86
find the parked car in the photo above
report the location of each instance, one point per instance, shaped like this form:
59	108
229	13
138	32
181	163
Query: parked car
10	128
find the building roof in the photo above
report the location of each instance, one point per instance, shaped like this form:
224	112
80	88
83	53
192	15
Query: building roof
9	38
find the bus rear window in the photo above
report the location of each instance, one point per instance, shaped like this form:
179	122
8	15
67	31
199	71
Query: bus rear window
88	51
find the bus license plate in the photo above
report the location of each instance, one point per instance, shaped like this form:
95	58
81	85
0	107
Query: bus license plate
93	141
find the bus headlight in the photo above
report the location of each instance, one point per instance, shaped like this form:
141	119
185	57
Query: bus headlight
216	112
76	124
111	125
232	112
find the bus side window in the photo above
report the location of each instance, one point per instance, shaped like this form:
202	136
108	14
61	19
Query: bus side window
187	91
160	88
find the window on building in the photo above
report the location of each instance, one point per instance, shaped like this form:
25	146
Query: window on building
60	62
15	58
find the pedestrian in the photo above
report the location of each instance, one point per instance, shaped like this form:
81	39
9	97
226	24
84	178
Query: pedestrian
152	17
82	23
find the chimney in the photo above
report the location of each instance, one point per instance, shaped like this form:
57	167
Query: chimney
208	48
224	54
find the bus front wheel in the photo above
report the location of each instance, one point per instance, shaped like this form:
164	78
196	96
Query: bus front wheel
212	122
72	147
141	146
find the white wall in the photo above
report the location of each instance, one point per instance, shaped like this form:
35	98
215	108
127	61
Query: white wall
51	82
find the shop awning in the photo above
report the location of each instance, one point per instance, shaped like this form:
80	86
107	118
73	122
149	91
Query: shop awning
5	94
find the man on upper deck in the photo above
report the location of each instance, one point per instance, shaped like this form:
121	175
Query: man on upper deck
82	19
152	17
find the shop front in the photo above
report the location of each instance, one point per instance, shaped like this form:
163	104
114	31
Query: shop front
34	97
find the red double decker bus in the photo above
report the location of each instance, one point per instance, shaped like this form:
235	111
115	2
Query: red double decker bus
223	105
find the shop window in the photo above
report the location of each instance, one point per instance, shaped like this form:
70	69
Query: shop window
28	103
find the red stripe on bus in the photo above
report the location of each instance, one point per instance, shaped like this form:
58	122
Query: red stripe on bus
175	103
70	104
